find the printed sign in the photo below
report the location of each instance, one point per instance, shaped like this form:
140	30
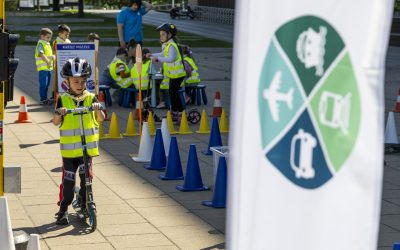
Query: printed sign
69	51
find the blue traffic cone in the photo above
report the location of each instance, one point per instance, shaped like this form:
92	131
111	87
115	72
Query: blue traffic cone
158	159
396	246
174	166
215	137
219	197
193	181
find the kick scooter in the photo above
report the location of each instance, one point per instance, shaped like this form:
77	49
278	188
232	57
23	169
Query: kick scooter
89	215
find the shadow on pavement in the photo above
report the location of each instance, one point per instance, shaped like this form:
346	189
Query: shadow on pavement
28	145
78	228
56	170
22	145
55	141
218	246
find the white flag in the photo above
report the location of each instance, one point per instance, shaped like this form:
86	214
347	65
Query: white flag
306	160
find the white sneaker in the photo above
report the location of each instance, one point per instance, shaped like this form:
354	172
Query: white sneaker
161	105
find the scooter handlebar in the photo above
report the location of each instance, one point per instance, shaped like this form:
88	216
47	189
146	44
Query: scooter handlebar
81	110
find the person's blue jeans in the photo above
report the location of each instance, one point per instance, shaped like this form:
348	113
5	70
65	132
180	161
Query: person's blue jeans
44	83
106	79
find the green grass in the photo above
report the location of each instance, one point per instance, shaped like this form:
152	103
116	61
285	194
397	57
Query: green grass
149	32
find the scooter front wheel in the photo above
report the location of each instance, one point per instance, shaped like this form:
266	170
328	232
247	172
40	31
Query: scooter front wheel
92	219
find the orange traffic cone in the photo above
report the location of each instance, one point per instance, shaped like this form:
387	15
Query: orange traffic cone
103	103
23	112
397	107
137	107
217	110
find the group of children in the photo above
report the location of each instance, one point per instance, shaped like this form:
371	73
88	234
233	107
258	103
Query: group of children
178	68
45	57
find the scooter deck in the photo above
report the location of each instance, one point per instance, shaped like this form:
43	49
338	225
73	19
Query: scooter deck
78	211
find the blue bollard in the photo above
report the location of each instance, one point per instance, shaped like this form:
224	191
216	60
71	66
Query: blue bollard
174	166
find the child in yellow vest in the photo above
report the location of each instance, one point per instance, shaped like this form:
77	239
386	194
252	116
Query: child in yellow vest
172	66
44	63
76	71
192	72
147	69
63	35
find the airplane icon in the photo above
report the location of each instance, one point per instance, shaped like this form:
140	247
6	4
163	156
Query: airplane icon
273	96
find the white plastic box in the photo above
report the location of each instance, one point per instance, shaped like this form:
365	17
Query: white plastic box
222	151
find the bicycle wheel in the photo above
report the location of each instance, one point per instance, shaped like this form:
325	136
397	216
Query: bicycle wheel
194	116
92	220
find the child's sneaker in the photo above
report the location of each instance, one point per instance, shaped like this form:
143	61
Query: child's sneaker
62	218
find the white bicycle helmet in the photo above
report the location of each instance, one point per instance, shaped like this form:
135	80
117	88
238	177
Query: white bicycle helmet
76	67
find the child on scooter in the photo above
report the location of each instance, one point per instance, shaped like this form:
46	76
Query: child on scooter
76	71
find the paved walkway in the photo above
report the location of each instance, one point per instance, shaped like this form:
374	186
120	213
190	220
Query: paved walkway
136	210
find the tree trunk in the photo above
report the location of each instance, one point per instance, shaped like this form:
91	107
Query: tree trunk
56	5
80	10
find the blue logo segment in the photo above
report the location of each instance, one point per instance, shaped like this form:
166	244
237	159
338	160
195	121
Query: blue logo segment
299	156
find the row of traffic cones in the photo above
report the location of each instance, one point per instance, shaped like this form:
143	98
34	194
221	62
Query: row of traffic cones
114	131
23	116
147	150
171	163
131	130
217	109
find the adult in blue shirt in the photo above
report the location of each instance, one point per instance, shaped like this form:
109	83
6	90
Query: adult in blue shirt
129	21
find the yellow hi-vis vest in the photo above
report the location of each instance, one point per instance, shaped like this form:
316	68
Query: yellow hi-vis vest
40	63
70	132
165	83
195	77
58	40
123	82
144	76
175	69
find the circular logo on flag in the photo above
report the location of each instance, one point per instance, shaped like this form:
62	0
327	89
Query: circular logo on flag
309	102
90	85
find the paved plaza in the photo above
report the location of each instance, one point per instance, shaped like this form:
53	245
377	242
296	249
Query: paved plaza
136	210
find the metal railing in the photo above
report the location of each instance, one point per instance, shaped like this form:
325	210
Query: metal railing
162	7
214	15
